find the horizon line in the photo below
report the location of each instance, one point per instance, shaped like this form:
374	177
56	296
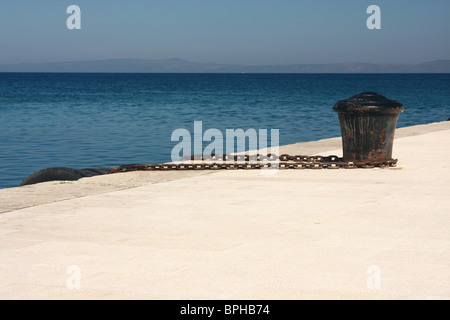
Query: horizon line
182	66
260	73
227	64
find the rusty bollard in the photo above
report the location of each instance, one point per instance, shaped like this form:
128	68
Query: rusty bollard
368	121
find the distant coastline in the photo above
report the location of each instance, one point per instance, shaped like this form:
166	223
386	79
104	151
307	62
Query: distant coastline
176	65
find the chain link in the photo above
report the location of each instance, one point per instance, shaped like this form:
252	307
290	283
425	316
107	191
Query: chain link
258	161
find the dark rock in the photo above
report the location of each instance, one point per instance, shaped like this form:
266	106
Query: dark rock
63	174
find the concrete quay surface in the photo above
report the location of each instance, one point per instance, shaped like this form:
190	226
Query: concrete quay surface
234	234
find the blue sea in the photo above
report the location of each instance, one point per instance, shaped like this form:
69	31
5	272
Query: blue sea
92	120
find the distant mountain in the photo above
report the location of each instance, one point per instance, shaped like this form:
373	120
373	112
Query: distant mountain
175	65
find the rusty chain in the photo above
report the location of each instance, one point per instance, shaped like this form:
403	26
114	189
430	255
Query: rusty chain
257	161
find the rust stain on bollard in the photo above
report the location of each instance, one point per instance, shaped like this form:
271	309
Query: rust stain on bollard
368	121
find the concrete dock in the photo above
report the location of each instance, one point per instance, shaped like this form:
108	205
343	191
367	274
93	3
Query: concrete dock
234	234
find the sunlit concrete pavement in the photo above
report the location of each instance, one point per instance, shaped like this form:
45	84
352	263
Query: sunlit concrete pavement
296	234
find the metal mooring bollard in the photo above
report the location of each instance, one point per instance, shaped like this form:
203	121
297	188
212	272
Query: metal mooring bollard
368	122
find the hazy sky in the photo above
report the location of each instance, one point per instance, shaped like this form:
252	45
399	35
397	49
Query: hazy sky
226	31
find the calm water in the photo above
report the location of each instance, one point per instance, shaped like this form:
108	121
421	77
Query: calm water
91	120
